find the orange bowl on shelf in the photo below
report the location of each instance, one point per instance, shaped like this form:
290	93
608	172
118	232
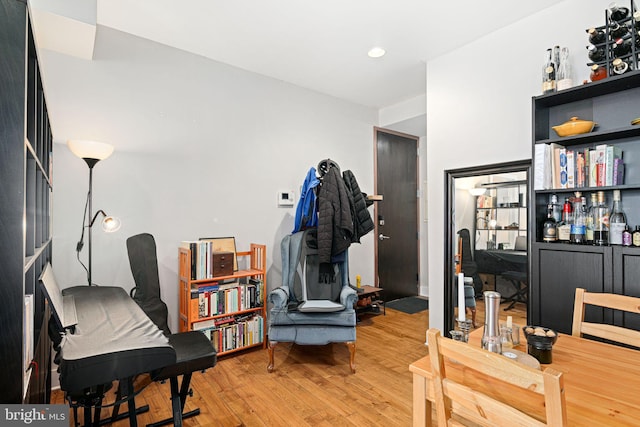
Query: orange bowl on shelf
574	126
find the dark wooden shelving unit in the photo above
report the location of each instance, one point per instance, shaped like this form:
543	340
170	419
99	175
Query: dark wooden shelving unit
25	225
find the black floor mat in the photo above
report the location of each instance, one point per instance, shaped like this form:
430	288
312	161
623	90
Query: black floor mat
409	305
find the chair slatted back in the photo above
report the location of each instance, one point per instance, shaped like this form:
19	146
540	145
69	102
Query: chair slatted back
464	402
602	330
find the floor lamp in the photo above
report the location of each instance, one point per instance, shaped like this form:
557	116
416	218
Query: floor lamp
92	152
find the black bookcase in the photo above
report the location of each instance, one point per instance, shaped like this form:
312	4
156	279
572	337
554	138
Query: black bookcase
25	197
559	268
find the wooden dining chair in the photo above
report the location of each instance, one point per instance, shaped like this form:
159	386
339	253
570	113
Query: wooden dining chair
507	388
601	330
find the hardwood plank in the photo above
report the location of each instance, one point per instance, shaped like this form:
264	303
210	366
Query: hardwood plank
311	385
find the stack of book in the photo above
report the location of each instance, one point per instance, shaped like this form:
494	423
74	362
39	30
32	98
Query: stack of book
556	166
220	298
232	332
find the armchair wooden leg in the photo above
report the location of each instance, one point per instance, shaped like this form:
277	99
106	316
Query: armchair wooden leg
270	349
352	356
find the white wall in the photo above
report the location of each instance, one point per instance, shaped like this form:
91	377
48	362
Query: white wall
479	106
201	150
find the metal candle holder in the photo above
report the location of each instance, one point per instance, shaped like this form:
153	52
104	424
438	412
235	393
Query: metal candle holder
465	327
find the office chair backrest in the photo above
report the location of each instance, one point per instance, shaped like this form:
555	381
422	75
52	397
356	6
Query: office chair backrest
520	244
602	330
144	267
482	388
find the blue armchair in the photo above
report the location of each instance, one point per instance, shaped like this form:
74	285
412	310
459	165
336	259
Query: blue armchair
308	312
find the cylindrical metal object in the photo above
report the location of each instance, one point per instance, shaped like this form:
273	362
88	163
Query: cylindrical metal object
491	334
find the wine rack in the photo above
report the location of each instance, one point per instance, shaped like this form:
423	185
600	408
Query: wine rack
631	36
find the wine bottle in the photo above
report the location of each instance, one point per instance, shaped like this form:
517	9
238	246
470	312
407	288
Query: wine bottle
618	13
601	222
620	66
564	75
597	73
549	228
617	221
596	53
617	31
621	47
557	208
596	36
548	73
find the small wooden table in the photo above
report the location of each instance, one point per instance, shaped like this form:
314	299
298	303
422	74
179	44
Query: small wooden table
601	382
371	291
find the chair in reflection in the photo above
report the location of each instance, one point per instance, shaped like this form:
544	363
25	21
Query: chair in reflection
512	393
601	330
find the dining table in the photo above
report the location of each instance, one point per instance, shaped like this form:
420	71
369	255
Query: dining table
601	381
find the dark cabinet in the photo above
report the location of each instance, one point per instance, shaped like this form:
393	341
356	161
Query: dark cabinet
25	194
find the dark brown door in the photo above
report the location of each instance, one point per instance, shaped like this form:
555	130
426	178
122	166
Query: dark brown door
396	216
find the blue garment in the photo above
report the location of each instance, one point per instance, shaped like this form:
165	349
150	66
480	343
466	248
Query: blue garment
307	209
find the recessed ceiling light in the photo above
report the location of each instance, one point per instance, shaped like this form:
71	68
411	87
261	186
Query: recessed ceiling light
376	52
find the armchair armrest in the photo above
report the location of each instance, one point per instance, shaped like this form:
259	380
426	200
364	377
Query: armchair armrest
279	297
348	296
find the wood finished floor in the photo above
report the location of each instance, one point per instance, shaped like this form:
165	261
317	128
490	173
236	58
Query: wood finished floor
311	385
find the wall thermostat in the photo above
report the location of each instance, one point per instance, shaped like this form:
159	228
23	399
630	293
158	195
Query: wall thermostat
286	198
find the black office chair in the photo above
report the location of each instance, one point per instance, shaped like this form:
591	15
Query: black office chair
469	266
194	352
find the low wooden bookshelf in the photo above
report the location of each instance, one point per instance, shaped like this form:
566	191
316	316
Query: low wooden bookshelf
229	309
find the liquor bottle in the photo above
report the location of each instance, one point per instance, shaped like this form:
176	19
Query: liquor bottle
596	36
635	237
617	220
597	72
621	47
549	228
589	231
548	73
620	66
564	227
596	53
578	226
637	41
626	236
618	13
564	75
557	209
636	20
601	222
617	31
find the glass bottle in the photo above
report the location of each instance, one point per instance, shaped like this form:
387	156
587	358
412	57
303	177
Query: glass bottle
635	237
549	228
617	13
621	47
506	337
557	209
578	226
596	36
596	53
617	220
564	75
564	227
626	236
597	73
636	19
601	222
589	231
548	73
617	31
620	66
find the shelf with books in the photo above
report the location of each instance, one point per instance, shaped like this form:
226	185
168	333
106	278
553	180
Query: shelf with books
558	268
231	308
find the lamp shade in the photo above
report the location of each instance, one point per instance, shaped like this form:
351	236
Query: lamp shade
90	149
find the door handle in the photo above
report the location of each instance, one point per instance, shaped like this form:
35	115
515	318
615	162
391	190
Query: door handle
383	237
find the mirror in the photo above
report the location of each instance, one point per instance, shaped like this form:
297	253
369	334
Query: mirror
491	203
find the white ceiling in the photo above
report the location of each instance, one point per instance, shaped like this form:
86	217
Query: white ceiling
318	45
